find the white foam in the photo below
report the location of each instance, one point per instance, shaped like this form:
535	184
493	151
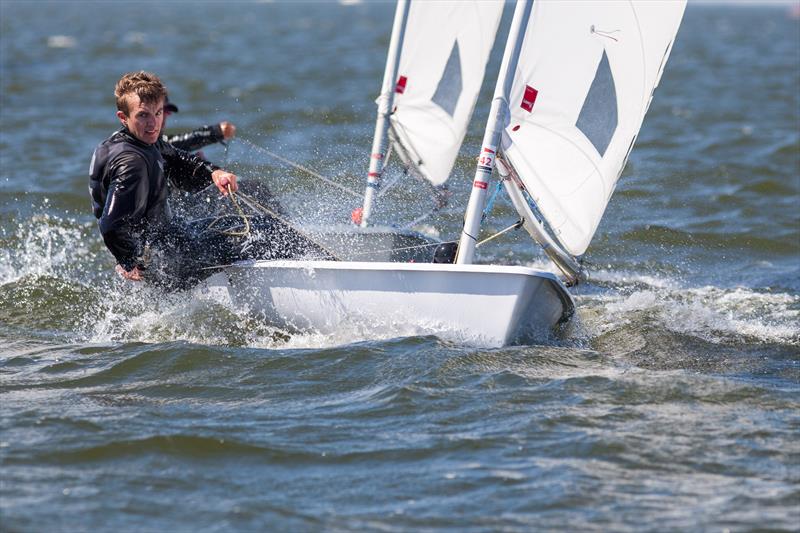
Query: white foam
135	37
61	41
624	277
428	230
45	246
711	313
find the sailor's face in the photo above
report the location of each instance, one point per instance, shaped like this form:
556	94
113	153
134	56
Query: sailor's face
144	119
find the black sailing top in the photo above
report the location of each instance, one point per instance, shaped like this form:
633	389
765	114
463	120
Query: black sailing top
196	139
129	189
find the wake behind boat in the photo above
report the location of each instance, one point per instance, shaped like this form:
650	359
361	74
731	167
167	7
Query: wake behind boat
575	82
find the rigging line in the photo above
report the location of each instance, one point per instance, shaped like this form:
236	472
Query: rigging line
515	225
300	167
255	205
407	147
239	213
490	203
402	154
419	219
385	188
386	158
246	231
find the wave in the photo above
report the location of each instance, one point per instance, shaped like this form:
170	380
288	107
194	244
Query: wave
180	445
58	283
714	314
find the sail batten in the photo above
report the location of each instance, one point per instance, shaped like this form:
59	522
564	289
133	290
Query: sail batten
593	66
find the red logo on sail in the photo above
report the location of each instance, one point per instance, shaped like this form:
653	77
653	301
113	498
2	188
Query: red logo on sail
529	98
401	85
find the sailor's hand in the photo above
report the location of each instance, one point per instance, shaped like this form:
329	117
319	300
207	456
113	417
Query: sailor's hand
222	179
133	275
228	129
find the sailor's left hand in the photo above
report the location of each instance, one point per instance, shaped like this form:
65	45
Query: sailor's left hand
228	129
222	179
135	274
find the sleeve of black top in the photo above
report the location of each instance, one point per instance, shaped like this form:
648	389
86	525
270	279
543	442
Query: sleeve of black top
194	140
185	170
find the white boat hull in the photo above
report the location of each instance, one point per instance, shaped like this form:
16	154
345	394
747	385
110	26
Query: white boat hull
482	305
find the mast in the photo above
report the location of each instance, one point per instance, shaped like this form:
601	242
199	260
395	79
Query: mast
494	128
385	104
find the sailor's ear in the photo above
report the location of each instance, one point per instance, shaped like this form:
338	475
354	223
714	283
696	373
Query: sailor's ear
122	117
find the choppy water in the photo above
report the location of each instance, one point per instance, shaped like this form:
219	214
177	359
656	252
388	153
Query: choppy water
671	405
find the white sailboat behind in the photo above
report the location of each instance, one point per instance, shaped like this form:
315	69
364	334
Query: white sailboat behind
574	84
434	71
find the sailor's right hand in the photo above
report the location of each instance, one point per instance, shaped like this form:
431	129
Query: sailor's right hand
228	129
133	275
223	179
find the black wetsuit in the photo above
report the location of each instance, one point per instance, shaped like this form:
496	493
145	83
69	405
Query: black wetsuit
129	186
129	191
196	139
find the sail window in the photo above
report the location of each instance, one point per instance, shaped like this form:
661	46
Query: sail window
598	116
449	89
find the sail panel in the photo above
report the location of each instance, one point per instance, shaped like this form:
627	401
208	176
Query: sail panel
450	86
442	64
593	66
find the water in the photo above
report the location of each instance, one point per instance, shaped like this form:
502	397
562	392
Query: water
671	405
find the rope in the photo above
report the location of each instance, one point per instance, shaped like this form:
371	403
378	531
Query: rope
490	203
304	169
246	231
256	206
441	195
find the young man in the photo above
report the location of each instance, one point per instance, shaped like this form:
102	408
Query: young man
127	182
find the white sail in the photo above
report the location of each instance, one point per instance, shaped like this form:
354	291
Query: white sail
583	84
442	63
